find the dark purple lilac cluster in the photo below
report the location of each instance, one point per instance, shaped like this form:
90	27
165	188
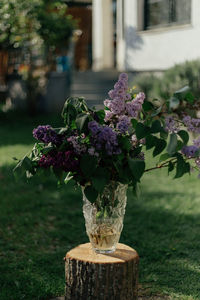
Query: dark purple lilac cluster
61	160
46	134
103	137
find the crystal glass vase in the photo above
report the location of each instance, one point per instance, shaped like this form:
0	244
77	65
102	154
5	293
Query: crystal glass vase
104	218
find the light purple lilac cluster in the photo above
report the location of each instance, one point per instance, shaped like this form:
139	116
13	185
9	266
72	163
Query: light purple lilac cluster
171	125
61	160
192	124
46	134
79	148
103	137
121	102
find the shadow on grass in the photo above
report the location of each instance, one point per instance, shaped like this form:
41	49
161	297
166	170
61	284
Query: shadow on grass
40	223
16	128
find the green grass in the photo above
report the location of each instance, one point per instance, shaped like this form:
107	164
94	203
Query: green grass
40	223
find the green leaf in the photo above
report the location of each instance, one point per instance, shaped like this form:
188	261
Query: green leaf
134	122
125	174
68	178
142	130
81	120
150	141
156	127
184	136
180	94
24	165
137	167
124	143
164	135
69	114
72	107
100	115
90	193
59	174
179	145
88	165
170	167
182	167
159	147
164	157
197	153
189	97
100	178
147	106
174	102
157	111
171	148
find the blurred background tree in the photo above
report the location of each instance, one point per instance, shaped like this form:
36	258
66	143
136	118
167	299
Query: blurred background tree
31	33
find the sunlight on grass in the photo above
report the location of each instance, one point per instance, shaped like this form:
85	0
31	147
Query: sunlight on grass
7	153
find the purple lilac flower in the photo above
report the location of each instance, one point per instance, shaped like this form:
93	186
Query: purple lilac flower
192	124
103	137
123	124
46	134
118	95
78	147
94	127
61	160
189	151
134	107
108	115
123	76
93	152
171	125
116	106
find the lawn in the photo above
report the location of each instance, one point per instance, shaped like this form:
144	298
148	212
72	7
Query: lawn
39	223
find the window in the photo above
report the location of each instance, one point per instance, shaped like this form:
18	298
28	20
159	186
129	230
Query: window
161	13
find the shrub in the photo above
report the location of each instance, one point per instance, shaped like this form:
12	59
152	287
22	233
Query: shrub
172	80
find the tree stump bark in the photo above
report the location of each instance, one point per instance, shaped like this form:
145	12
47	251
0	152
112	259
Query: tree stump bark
91	276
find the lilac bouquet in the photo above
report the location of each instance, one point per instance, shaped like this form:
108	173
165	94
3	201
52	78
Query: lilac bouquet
95	147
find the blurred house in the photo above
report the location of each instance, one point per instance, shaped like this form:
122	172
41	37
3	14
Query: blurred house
150	34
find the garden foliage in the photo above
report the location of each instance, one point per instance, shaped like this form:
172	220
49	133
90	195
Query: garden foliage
178	87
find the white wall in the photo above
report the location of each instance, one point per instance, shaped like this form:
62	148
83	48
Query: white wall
159	49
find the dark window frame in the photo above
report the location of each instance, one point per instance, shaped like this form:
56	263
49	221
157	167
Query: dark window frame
172	16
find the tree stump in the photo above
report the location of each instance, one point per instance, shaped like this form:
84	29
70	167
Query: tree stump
91	276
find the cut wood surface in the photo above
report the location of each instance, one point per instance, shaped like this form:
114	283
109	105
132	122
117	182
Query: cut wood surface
91	276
